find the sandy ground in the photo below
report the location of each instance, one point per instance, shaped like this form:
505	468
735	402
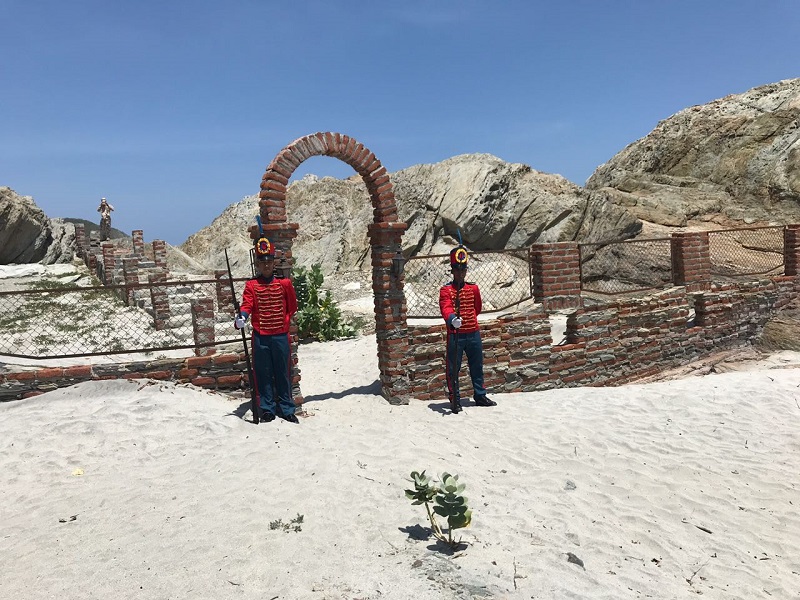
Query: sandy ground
670	489
123	489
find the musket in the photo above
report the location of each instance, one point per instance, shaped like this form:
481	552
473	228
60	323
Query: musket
253	394
458	289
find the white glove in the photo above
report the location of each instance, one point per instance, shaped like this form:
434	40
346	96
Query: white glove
456	322
239	322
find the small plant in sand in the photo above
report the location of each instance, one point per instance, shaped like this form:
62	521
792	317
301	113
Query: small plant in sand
295	524
447	502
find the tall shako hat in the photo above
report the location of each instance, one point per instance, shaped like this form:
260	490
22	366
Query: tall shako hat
458	255
263	249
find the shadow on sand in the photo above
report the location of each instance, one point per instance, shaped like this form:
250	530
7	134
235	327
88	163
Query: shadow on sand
373	389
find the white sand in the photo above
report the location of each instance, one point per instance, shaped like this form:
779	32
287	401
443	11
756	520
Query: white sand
177	492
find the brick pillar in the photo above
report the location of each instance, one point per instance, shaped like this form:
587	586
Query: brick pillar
94	241
224	296
159	299
691	260
80	240
160	255
130	272
203	325
93	262
282	235
791	250
108	263
557	275
391	318
138	242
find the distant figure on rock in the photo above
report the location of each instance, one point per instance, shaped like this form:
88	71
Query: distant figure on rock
105	219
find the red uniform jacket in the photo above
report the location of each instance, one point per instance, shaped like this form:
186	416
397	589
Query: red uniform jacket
270	304
466	303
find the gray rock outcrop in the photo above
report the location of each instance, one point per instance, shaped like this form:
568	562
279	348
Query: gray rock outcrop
62	246
733	159
495	204
25	231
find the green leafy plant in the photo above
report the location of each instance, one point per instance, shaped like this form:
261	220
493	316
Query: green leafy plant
293	525
318	316
447	501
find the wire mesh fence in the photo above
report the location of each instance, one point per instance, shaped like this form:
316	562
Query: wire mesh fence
746	251
51	319
625	266
54	319
503	276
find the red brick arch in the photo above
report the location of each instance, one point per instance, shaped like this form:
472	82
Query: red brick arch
343	147
385	233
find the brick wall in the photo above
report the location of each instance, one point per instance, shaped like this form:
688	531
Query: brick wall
610	344
218	372
556	275
691	260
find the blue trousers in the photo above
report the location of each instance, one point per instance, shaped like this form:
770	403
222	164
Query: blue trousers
273	372
459	344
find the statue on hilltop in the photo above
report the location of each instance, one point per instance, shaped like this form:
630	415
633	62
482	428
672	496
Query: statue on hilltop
105	219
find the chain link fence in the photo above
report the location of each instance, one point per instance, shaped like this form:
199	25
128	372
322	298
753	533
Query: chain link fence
503	276
626	266
746	251
51	319
54	319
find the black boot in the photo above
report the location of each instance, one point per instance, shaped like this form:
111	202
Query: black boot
484	401
455	406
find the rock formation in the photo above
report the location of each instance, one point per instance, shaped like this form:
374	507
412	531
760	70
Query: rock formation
25	231
62	246
495	205
733	159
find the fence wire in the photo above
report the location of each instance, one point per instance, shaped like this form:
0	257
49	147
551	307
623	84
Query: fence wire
54	319
625	266
51	319
503	276
744	252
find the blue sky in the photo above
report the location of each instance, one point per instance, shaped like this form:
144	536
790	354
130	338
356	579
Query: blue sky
173	109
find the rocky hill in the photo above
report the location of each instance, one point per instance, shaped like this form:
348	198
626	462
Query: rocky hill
495	204
734	159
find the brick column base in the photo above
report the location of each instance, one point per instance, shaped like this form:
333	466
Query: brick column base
557	275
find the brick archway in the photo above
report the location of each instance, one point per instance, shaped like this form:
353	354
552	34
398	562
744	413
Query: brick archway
385	234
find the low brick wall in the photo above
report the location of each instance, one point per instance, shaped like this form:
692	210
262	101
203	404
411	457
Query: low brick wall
218	372
606	345
611	344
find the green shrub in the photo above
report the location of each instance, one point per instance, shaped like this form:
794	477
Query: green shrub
318	316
